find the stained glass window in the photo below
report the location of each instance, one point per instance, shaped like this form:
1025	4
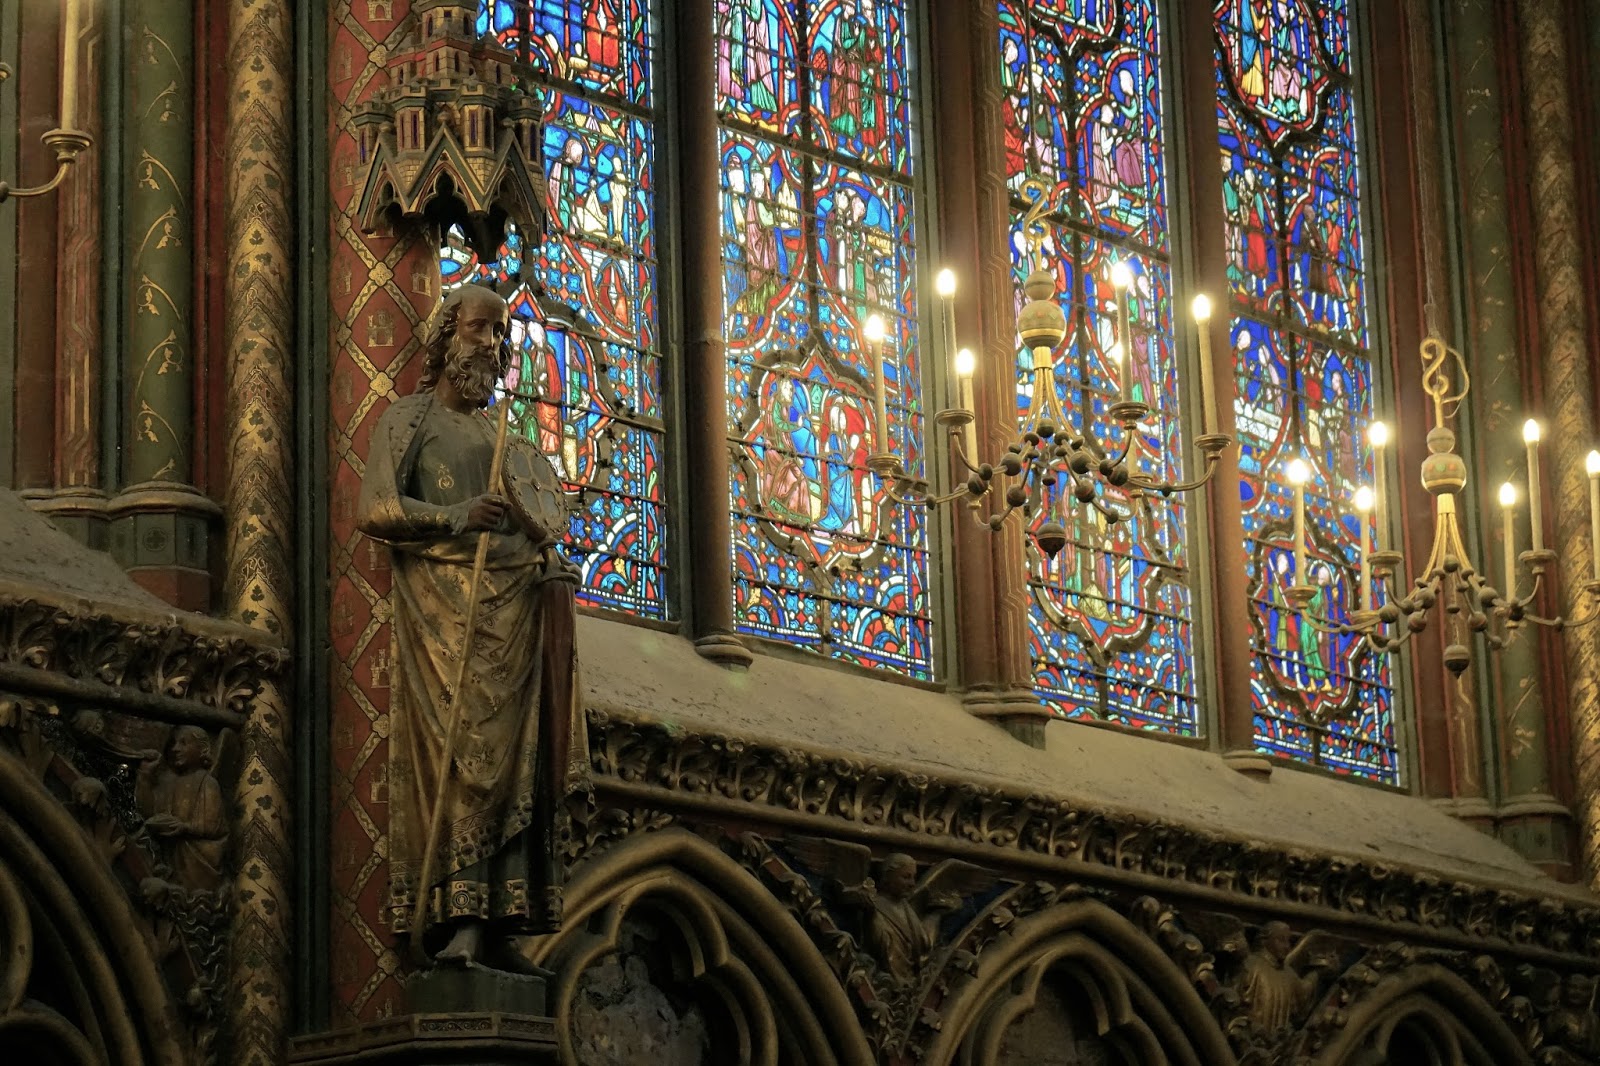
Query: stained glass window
1297	278
589	392
1110	615
818	229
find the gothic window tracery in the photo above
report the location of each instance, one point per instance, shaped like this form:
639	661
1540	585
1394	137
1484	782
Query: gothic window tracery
1110	632
598	410
1297	281
819	232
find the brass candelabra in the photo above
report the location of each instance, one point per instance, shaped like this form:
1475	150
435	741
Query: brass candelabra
1448	580
1046	452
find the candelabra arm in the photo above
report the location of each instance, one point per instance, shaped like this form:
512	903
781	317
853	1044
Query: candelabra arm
1211	446
67	144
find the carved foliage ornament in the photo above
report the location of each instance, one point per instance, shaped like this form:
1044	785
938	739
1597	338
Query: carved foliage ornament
158	658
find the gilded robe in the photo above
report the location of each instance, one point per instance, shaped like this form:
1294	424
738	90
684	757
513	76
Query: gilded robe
521	744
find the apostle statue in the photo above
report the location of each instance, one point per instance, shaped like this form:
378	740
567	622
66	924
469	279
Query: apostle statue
1275	991
486	734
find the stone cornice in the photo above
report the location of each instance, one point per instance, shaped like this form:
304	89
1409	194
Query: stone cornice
645	767
167	666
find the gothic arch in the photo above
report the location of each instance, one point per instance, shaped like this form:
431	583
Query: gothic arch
79	982
735	944
1141	1002
1424	1007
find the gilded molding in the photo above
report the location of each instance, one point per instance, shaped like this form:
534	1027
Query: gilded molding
1567	380
259	509
650	775
78	349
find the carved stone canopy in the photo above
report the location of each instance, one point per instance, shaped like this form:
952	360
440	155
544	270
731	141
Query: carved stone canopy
453	140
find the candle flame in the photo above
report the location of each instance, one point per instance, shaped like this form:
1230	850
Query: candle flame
1531	431
1298	472
1364	499
1591	463
965	363
1378	434
1121	275
945	282
1508	495
873	328
1201	308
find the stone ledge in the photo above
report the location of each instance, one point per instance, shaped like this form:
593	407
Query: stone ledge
485	1039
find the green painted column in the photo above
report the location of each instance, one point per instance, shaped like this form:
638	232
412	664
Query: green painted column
1528	815
158	274
160	523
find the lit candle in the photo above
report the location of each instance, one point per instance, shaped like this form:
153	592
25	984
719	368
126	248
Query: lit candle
1122	283
1208	393
1378	435
873	330
1299	473
945	284
1530	437
72	19
1508	536
1592	464
965	364
1363	511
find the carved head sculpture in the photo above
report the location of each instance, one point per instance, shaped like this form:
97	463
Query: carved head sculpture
189	748
472	361
898	876
1276	940
1579	992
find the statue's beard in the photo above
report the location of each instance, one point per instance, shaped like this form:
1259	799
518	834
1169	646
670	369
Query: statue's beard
471	369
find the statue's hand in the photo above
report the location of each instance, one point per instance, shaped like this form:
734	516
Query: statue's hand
485	513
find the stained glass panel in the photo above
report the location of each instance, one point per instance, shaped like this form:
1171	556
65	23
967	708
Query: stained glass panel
1297	274
819	230
1110	615
589	391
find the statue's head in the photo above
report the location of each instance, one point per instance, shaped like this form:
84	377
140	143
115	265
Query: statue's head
469	344
899	876
188	748
1579	991
1276	940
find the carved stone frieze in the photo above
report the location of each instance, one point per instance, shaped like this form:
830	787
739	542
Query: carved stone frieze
121	725
148	657
664	768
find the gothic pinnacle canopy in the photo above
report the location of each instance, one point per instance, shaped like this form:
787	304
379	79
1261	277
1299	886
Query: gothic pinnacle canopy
453	139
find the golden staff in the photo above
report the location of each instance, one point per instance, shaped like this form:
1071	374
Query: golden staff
436	822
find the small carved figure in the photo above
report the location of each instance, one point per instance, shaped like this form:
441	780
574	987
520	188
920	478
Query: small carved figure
1573	1026
1275	992
902	911
182	803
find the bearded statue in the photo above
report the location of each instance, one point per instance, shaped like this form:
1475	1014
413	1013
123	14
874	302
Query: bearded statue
515	730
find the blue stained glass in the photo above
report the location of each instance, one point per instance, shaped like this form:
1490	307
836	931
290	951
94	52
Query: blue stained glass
1110	626
590	395
819	230
1297	274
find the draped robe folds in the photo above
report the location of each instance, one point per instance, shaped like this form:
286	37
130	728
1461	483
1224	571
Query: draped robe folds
520	747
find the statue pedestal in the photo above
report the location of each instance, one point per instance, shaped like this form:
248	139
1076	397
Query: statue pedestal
465	1039
452	989
460	1016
